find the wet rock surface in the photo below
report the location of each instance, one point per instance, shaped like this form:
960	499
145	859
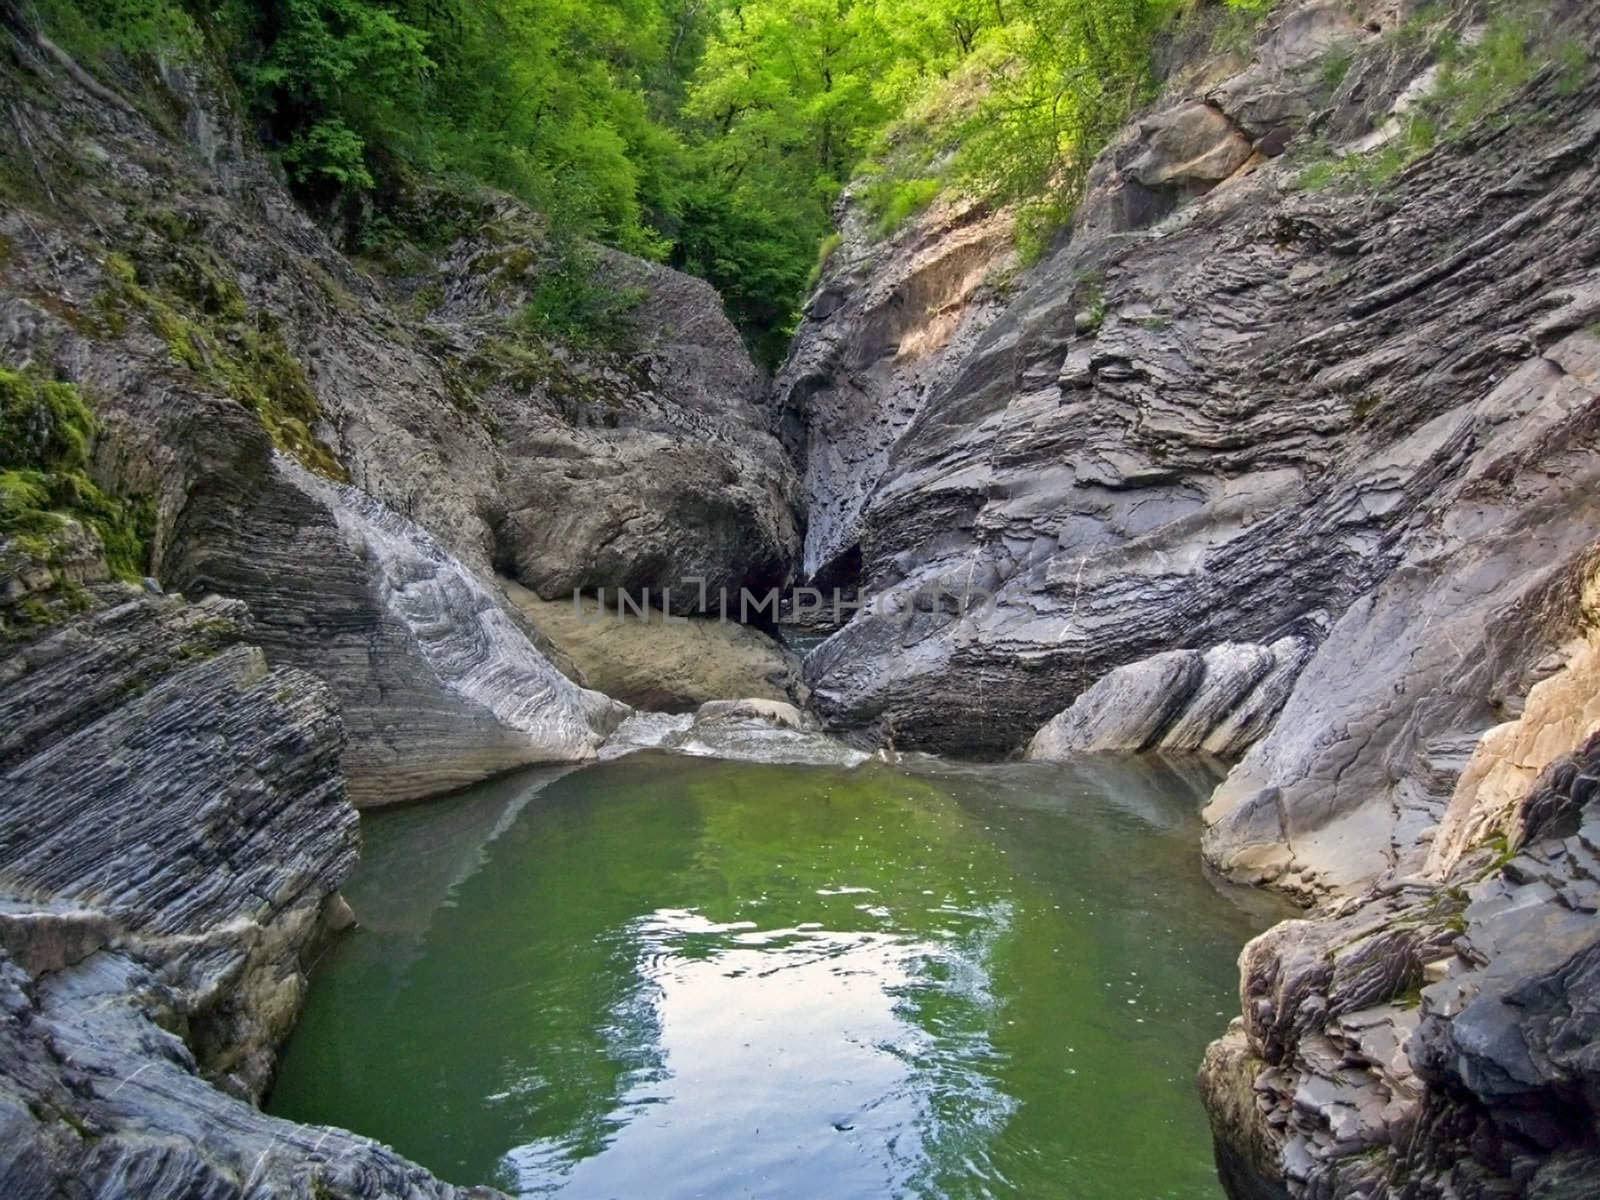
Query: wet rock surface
749	730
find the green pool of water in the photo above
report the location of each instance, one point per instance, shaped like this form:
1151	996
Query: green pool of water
664	978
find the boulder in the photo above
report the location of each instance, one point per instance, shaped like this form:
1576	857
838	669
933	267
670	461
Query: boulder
652	661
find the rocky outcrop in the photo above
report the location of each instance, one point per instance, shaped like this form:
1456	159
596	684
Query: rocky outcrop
1433	1038
657	662
1358	418
173	829
438	685
1218	702
888	325
749	730
1292	381
640	459
242	371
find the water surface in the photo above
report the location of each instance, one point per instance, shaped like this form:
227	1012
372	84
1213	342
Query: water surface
664	978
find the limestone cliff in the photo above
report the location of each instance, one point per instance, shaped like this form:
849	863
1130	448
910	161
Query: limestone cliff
1359	416
172	832
330	463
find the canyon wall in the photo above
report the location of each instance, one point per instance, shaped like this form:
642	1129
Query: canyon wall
1285	450
243	372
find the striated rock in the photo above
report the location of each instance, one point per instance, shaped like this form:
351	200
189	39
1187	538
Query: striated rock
240	368
652	662
885	328
1180	701
1248	719
1127	710
1229	674
168	787
1369	425
173	829
438	686
750	730
1428	1039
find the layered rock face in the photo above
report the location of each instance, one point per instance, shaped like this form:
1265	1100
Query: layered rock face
1360	418
241	368
172	832
437	682
1434	1038
1306	474
1182	701
887	326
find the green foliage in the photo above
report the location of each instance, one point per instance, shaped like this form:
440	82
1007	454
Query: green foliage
90	29
1420	26
893	200
1475	82
572	301
716	135
45	430
825	250
1336	66
1237	25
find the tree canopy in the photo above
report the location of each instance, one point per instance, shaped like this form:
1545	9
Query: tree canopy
712	134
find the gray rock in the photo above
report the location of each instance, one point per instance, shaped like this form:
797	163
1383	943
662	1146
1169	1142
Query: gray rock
1425	1039
1127	710
645	465
1194	144
751	730
209	320
1248	720
173	832
438	685
1181	701
887	325
1366	426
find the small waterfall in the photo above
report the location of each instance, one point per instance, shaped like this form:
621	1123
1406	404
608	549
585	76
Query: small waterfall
469	642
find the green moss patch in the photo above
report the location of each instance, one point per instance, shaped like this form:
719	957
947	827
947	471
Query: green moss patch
46	494
198	311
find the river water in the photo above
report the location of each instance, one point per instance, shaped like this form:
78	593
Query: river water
665	977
